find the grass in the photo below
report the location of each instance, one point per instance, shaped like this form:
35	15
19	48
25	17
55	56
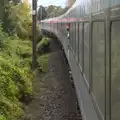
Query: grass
43	59
43	62
15	76
44	41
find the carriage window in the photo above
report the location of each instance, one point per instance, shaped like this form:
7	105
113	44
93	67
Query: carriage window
74	38
64	30
98	71
115	76
86	51
77	42
80	44
70	34
115	2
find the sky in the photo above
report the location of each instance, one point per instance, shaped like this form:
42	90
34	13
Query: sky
50	2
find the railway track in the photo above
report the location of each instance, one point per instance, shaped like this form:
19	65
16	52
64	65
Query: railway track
57	100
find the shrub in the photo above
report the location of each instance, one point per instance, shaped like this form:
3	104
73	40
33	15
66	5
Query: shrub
15	75
15	58
43	46
43	62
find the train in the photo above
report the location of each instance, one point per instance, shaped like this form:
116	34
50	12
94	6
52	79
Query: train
90	35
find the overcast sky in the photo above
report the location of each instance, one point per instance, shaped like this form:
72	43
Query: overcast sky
50	2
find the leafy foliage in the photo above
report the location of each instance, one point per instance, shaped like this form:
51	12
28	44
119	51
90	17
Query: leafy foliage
41	13
16	76
43	46
15	58
43	62
52	11
18	20
44	41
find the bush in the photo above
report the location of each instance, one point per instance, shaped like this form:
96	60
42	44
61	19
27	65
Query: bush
15	75
43	62
10	91
15	59
43	46
15	83
2	117
44	41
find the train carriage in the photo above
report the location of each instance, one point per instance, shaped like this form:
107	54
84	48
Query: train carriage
93	52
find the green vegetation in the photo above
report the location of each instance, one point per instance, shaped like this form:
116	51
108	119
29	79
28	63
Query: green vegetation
15	75
43	46
43	59
44	41
50	11
15	58
43	62
15	55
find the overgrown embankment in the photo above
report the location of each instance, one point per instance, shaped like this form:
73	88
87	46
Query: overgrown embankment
15	58
15	75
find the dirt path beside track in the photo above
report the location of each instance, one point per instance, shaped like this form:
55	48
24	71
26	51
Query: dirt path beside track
55	97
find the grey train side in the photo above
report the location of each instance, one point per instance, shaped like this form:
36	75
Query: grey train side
93	55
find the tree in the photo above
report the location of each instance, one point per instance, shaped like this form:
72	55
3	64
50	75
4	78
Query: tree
51	8
17	19
53	11
5	12
42	14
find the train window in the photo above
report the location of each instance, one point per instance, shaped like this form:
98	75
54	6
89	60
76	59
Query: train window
80	44
86	51
65	31
77	42
106	3
98	67
115	71
71	35
74	37
115	2
62	28
80	11
70	41
77	12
